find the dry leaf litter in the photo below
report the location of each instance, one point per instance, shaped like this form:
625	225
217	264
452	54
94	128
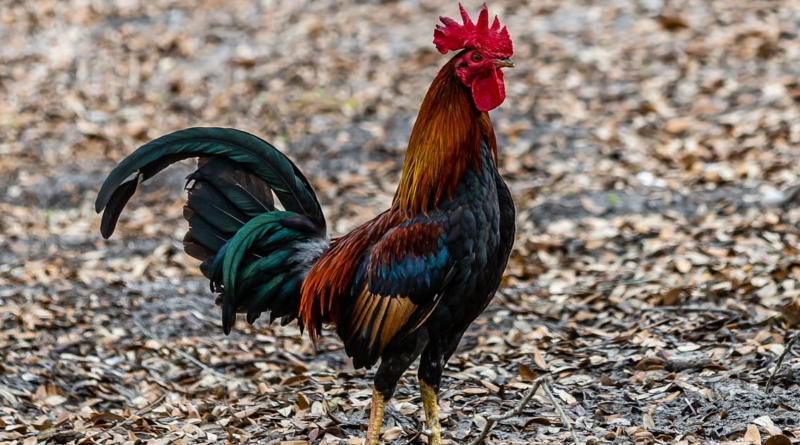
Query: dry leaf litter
651	148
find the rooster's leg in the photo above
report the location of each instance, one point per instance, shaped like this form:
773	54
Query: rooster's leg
431	406
393	365
375	418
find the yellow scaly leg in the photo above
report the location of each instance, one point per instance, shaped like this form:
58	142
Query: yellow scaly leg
431	412
375	418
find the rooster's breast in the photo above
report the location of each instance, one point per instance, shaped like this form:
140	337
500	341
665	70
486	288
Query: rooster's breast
478	240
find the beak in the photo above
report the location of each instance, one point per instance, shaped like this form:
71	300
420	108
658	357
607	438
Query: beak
504	63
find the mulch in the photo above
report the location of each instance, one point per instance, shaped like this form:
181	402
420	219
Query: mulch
651	149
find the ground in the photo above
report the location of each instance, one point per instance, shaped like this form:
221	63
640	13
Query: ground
651	148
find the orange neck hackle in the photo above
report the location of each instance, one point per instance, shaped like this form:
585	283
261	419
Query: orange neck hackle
445	142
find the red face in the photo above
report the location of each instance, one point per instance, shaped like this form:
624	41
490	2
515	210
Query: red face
481	71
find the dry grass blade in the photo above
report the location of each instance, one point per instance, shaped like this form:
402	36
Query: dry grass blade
197	362
492	420
561	413
711	310
786	349
129	419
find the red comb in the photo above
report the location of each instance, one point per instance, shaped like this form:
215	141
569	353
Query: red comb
453	37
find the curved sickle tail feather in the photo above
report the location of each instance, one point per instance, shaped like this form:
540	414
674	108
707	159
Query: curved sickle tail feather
255	255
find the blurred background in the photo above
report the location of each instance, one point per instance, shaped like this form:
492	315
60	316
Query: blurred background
651	147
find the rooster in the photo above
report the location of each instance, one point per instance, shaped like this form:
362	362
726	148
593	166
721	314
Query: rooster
404	285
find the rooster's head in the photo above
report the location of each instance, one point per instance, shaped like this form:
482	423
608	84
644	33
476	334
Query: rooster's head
486	49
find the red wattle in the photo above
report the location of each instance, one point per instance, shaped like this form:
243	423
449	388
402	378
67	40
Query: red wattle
488	90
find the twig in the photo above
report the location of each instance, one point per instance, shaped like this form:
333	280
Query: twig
193	372
765	322
334	417
342	422
606	286
492	420
252	361
144	410
564	418
712	310
786	350
197	362
688	402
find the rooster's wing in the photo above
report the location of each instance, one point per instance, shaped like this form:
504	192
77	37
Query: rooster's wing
400	284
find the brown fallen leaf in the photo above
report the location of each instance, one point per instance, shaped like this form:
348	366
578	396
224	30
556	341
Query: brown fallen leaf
526	374
538	359
790	313
778	440
650	363
648	422
752	435
393	433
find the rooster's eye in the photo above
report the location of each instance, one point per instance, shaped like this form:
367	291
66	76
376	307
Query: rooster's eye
476	57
